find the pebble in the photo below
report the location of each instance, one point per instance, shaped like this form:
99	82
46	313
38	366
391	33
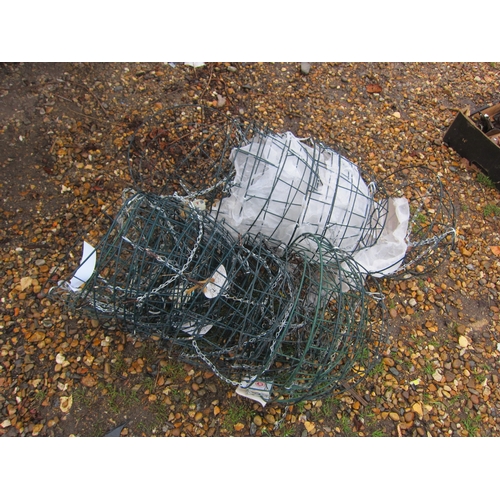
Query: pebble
388	362
270	419
305	68
409	416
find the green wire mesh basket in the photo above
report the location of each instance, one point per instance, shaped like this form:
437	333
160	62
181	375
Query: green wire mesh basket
168	270
337	331
257	254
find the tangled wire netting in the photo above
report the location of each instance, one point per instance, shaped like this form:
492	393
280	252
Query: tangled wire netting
257	254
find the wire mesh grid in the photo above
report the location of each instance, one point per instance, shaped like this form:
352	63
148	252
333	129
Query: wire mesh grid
431	233
264	267
279	186
167	269
284	187
338	327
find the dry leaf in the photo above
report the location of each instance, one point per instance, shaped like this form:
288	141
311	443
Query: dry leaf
495	250
373	88
66	402
25	283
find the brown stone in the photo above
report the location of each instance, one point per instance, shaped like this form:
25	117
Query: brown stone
270	418
257	420
388	362
409	416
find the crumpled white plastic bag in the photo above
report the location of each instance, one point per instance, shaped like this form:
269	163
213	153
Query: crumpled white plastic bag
284	188
386	255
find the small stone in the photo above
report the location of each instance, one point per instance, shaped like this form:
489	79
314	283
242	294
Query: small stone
305	67
310	427
257	420
388	362
409	416
417	408
396	114
463	342
270	419
394	416
36	337
89	381
6	423
37	428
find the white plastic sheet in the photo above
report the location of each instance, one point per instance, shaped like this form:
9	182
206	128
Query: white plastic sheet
86	268
284	188
386	255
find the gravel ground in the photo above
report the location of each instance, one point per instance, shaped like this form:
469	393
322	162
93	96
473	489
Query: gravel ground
65	130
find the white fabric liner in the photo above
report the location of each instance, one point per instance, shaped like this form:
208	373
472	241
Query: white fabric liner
284	188
385	256
86	268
